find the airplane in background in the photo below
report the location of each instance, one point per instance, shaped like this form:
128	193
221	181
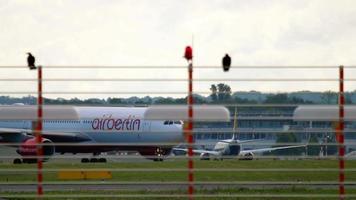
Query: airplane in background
71	129
231	148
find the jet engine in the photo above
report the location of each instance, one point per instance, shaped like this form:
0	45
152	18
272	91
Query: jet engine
204	156
28	150
247	156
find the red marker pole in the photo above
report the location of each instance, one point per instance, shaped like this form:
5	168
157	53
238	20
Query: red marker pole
189	131
188	54
340	134
39	134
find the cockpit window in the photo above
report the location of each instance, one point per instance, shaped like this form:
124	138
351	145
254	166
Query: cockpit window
171	122
177	122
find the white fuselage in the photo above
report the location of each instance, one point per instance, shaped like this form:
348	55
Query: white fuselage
121	125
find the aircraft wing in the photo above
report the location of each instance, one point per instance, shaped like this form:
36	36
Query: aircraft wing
269	149
198	151
19	135
10	135
248	141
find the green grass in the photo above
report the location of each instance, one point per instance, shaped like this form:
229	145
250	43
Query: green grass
169	174
240	193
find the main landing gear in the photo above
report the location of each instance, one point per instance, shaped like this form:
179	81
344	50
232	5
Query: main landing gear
28	161
17	161
94	160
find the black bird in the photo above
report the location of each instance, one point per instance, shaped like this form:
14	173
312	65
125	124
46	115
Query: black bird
31	61
226	61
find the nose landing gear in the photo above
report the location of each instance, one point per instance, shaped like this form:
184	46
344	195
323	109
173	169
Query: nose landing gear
159	155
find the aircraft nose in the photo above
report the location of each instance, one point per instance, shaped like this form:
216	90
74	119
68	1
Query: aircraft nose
180	130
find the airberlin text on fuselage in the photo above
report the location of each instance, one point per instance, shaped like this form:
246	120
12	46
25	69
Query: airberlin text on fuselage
110	123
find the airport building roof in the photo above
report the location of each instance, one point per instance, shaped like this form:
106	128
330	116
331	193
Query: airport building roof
323	113
24	112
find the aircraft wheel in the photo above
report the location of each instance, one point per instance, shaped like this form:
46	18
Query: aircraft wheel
29	161
93	160
17	161
102	160
158	159
85	160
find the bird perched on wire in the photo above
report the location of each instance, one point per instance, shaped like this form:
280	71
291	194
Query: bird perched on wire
31	61
226	62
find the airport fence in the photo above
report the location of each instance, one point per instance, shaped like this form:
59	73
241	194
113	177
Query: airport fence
186	173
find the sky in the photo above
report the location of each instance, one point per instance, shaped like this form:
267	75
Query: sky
155	33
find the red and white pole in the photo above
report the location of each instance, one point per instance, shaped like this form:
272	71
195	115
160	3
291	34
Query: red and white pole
189	133
340	134
188	54
39	134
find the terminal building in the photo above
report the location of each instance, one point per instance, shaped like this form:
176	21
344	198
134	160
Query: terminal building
265	123
322	120
260	123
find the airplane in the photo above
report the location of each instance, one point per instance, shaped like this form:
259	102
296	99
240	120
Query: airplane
73	129
232	148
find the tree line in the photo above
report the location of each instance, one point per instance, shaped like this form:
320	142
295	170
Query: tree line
220	93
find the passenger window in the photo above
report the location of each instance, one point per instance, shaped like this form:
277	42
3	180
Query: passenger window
165	123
